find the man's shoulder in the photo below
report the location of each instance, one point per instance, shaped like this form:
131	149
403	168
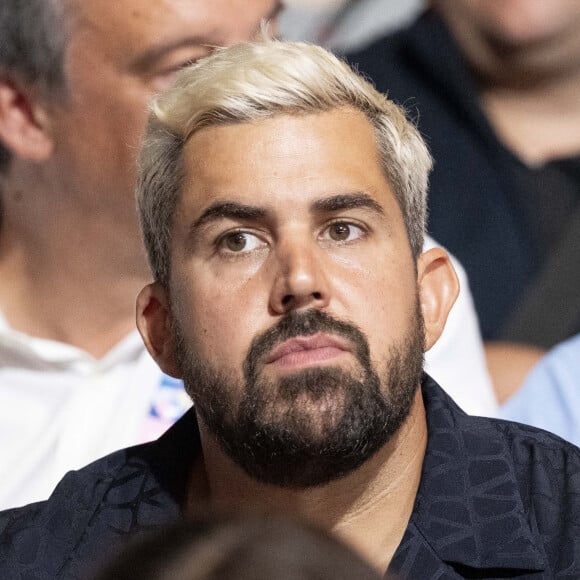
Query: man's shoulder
547	471
545	464
35	539
526	445
536	458
497	494
93	511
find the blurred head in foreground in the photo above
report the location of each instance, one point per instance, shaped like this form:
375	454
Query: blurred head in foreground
239	548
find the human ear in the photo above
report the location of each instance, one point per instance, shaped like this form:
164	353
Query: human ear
154	323
23	123
438	290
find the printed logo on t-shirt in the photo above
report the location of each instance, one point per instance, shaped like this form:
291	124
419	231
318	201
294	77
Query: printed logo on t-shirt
170	402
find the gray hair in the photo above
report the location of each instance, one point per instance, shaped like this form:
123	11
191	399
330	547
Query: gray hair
32	48
258	80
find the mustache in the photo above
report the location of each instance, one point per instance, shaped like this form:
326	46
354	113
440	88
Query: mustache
305	323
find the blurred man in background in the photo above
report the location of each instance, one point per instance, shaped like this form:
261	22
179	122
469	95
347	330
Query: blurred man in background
76	77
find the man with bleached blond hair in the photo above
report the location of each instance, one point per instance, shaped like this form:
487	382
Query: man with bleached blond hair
283	203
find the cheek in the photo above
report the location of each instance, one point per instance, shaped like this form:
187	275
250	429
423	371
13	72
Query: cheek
224	314
382	302
118	106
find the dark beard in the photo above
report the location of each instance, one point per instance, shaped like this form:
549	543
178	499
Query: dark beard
279	442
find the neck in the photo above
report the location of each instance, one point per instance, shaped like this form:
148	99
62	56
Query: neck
369	508
537	123
64	278
528	91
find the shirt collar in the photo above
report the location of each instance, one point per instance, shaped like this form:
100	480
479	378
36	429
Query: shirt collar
468	508
22	350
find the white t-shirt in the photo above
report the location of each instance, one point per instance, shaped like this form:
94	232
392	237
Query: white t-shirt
457	360
61	409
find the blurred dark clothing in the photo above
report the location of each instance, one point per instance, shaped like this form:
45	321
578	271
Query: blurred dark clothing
502	219
496	500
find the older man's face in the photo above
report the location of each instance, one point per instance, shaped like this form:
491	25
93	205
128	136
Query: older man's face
119	54
294	294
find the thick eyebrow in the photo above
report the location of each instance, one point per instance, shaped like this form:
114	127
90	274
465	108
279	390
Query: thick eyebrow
226	210
221	210
345	201
238	211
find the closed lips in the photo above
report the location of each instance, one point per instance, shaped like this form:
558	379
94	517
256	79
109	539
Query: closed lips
307	343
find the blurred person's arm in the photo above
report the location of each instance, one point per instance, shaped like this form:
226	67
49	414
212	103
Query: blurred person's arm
509	364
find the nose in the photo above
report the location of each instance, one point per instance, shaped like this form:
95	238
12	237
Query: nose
300	279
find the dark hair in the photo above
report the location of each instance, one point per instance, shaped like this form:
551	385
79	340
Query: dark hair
239	548
32	48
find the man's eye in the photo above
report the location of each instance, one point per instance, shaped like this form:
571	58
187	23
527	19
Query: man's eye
239	242
164	79
344	232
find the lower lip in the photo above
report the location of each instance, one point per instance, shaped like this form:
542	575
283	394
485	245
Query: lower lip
310	357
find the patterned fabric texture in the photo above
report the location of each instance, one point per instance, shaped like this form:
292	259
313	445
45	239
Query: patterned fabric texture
496	500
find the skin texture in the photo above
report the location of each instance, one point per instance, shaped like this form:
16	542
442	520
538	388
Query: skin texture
226	293
70	245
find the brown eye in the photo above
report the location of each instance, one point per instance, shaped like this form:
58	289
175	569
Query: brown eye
241	242
339	232
236	242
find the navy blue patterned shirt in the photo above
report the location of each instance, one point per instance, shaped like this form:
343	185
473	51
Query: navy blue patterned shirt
496	500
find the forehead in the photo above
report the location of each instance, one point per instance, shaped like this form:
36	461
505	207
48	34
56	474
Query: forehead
284	162
130	23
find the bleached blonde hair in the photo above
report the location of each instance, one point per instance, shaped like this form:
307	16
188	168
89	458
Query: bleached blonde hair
258	80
